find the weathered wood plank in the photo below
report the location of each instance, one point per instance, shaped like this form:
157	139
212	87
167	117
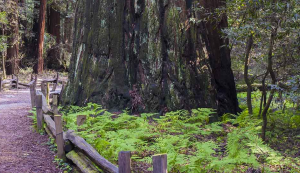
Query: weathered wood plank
160	163
54	93
100	161
48	131
82	162
24	84
8	81
0	84
39	112
43	88
32	95
59	137
46	107
124	162
56	82
17	82
51	125
55	104
47	93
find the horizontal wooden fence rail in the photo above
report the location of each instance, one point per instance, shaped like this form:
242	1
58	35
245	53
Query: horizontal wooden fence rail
82	154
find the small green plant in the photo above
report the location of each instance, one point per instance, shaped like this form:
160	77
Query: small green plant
34	124
33	117
62	165
52	145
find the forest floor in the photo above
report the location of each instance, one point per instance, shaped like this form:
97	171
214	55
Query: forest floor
22	150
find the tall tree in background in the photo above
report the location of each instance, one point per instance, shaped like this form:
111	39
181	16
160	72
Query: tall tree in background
3	45
246	77
219	55
41	31
12	62
54	30
33	40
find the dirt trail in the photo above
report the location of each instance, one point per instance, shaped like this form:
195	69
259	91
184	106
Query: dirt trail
22	150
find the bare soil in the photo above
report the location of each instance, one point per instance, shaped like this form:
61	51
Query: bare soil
22	150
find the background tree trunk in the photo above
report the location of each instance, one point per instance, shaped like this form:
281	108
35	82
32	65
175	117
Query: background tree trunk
12	59
219	56
3	53
41	31
53	58
32	44
273	77
246	67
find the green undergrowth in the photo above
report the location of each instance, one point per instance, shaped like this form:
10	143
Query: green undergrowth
192	143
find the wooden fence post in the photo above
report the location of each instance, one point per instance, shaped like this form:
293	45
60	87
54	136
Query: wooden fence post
39	111
47	93
43	88
55	104
0	84
17	83
35	80
56	82
59	137
61	93
124	161
32	95
160	163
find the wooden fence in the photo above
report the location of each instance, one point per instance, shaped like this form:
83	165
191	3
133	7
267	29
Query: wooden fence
75	148
15	83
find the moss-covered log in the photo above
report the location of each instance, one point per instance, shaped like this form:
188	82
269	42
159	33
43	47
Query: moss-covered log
83	163
140	54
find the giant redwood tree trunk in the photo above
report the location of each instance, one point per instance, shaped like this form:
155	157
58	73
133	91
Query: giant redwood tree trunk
12	61
219	55
41	31
139	54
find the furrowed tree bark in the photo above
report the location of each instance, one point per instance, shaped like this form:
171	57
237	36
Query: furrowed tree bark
135	56
219	56
41	31
12	62
246	77
273	77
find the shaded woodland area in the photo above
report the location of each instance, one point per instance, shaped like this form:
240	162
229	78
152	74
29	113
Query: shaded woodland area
181	64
